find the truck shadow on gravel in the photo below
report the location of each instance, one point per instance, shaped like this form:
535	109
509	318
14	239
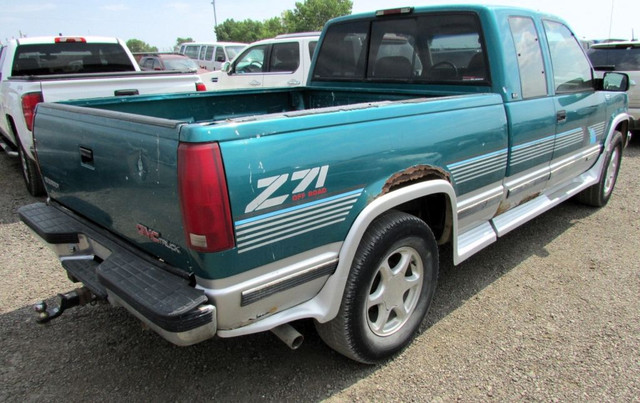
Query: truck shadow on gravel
14	192
101	353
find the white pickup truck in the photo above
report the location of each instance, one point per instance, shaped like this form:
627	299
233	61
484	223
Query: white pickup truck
33	70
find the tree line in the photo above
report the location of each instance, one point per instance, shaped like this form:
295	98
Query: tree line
307	16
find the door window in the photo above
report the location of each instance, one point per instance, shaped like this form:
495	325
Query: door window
220	55
192	51
285	57
252	60
571	69
532	73
209	53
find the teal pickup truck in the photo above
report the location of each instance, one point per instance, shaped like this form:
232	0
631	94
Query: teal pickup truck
231	213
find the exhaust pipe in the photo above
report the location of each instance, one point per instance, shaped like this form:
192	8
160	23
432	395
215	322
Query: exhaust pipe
290	336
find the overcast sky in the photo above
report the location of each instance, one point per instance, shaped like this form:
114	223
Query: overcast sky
160	22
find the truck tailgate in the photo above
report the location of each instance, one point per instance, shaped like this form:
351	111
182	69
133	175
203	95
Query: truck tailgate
60	88
117	170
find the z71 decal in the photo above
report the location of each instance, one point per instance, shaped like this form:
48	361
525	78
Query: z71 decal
268	198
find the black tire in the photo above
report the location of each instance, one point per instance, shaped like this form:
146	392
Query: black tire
30	173
365	329
599	194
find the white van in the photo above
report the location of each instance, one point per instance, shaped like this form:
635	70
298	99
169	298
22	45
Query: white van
279	62
211	55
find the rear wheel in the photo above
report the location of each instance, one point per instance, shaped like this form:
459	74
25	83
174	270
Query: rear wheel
388	292
30	173
599	194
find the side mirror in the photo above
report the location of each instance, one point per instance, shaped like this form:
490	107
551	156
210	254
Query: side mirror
615	82
226	67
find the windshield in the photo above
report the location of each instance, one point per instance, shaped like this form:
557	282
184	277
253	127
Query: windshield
232	51
67	58
180	64
622	58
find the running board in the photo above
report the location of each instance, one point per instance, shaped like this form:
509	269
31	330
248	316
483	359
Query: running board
477	238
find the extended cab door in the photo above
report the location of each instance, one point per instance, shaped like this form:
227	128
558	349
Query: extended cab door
580	110
531	113
288	64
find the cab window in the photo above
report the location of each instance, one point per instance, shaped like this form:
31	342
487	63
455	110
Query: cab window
529	53
285	57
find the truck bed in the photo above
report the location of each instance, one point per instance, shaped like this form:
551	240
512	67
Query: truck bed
119	169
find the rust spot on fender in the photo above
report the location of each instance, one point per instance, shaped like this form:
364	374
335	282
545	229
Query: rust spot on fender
417	173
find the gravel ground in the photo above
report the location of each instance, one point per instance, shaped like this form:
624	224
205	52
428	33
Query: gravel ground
551	312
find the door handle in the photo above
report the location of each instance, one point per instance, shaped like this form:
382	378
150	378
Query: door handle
254	83
293	82
130	92
86	157
561	116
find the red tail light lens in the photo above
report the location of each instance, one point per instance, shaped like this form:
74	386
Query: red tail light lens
206	213
69	39
200	86
29	102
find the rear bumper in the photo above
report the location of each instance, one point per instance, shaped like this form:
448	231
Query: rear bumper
157	294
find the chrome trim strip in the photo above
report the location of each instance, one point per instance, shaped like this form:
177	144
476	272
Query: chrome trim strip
282	284
528	181
584	155
479	202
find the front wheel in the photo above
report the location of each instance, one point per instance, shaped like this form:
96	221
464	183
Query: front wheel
388	291
599	194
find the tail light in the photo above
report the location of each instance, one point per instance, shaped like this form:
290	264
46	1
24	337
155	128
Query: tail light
206	213
29	102
200	86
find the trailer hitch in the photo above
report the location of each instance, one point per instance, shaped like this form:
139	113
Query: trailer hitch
77	297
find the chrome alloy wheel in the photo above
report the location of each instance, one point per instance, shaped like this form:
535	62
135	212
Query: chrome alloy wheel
394	291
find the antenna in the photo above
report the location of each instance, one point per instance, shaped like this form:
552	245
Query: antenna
611	18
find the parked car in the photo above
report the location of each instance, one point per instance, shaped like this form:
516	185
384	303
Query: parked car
211	55
168	61
623	57
282	61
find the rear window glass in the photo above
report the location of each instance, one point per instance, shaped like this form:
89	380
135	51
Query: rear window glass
67	58
439	48
625	58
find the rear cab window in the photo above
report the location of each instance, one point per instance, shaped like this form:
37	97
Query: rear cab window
437	48
61	58
621	57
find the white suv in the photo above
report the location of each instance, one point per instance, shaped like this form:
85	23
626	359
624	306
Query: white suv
623	57
279	62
